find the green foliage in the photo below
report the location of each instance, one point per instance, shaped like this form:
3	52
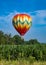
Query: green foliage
13	52
31	59
8	39
12	48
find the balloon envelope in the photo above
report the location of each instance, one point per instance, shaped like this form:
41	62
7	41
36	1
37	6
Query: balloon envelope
22	23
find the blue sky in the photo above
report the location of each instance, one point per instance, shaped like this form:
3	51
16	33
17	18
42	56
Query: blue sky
35	8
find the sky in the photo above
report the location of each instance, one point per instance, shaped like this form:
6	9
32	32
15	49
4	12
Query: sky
35	8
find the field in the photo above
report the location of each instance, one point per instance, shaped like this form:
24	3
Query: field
34	54
20	62
22	54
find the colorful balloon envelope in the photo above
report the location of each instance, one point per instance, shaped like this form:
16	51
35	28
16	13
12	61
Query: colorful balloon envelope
22	23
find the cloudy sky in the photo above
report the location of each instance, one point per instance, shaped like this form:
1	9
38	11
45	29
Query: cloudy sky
35	8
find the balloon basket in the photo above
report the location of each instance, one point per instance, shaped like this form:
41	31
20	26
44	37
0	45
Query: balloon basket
22	38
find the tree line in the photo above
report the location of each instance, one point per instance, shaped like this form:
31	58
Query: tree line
16	39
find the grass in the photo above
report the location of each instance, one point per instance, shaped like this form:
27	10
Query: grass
21	62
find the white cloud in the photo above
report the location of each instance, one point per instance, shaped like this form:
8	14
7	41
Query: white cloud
6	22
8	17
38	17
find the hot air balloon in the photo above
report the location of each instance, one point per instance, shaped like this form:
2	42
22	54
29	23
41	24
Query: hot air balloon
22	23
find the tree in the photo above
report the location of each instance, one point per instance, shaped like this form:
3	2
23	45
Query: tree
17	40
33	41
